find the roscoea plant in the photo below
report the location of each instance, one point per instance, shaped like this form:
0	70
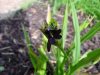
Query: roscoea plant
68	61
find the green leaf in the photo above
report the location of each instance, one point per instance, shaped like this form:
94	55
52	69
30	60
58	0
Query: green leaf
91	33
59	59
48	19
32	55
64	27
76	51
42	53
57	4
53	24
85	24
34	59
89	57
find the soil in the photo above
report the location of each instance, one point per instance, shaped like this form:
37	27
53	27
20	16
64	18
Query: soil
13	51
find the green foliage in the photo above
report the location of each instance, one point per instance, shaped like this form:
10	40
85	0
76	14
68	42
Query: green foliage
38	62
64	28
27	3
84	25
53	24
91	32
57	4
76	51
70	57
92	7
89	57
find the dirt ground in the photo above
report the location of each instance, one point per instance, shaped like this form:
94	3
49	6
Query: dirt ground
13	52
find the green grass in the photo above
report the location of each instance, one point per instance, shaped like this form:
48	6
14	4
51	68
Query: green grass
26	4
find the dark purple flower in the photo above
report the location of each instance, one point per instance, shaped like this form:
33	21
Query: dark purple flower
52	36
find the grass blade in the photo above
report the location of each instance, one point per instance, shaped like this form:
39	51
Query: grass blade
76	51
85	24
91	33
89	57
64	27
32	55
